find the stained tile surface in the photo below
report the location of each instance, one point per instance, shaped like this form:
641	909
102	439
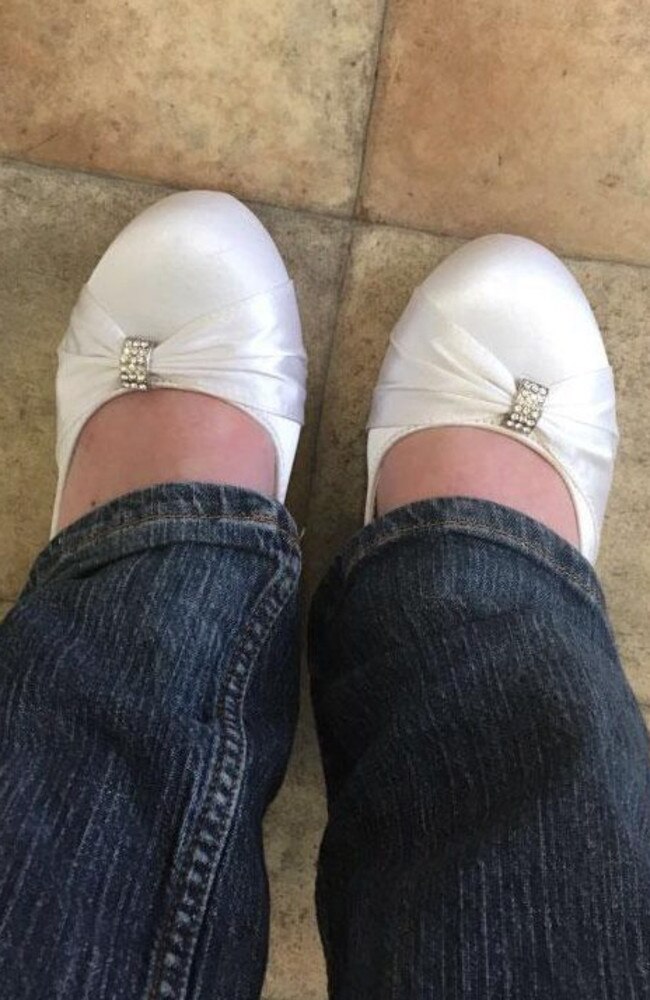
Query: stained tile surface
293	831
385	266
519	116
268	100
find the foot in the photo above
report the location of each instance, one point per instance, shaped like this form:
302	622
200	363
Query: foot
200	281
496	385
471	462
164	436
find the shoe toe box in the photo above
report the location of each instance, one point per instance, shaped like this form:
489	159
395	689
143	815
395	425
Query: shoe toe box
186	256
521	302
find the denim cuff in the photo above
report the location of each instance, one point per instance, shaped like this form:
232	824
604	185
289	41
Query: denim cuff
204	513
482	523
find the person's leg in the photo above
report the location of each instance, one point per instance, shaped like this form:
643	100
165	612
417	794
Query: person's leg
148	673
148	687
487	767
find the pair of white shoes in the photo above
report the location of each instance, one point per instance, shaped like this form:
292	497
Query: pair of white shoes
194	295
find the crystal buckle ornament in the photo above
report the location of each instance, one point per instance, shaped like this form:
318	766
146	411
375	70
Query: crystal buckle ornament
134	363
527	406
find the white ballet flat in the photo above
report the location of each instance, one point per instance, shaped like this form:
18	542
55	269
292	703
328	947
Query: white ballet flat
501	336
192	294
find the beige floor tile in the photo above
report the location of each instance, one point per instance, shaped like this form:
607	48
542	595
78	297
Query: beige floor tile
524	117
54	226
294	828
385	265
267	99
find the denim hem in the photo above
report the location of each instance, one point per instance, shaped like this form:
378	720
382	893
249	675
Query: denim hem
206	513
483	520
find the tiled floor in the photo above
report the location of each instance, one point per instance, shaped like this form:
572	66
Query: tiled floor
519	116
374	135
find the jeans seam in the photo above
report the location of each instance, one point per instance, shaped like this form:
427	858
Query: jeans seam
497	535
174	954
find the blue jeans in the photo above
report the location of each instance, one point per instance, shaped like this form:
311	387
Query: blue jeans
487	767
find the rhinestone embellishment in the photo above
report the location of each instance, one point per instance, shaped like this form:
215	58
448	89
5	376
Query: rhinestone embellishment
134	363
527	406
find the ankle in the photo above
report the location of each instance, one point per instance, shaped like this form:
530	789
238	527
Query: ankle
472	462
144	439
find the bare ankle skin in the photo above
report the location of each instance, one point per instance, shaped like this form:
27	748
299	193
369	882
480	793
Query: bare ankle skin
161	436
472	462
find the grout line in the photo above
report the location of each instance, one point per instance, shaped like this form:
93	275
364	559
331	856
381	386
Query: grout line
379	48
310	212
340	299
345	265
62	168
168	186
